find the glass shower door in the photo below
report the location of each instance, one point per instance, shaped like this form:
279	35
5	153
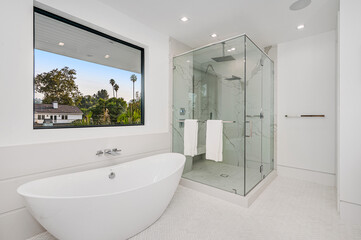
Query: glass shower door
259	116
254	115
268	116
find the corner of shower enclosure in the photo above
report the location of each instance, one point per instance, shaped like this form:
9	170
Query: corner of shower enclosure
213	82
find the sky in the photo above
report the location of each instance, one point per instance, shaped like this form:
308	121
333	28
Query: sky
90	77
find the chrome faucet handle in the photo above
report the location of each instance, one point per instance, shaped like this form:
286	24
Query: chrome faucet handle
99	152
116	150
111	174
107	151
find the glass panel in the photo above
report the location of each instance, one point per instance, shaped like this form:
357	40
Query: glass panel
253	122
228	82
182	102
267	121
215	91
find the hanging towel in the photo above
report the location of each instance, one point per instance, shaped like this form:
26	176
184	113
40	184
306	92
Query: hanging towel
190	137
214	140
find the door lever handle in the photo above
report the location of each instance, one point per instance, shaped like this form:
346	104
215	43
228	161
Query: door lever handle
250	128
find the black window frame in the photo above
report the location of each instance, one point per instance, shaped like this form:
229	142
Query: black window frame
91	30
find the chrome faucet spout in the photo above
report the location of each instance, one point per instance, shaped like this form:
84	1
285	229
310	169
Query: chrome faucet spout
113	152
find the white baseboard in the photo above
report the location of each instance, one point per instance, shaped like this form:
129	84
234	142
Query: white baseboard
350	213
323	178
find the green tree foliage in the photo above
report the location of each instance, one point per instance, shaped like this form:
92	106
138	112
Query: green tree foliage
86	102
102	94
58	85
133	113
108	111
98	109
115	106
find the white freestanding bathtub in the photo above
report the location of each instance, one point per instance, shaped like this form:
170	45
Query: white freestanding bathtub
93	205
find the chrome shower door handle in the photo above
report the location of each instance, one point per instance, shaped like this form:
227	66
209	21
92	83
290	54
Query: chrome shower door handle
250	128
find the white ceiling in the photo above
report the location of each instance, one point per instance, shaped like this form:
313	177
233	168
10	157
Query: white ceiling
267	22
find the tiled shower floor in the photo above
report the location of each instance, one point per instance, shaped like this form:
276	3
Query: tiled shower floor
223	176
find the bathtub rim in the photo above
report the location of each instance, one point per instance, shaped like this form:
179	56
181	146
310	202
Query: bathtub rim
30	195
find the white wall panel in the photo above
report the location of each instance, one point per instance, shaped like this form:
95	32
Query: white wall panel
307	85
350	111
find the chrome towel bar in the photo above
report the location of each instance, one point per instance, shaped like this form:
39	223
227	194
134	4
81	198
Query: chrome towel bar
305	116
182	120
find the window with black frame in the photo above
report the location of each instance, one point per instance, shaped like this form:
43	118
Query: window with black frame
83	77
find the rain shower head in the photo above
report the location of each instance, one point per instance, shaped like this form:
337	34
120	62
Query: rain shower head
224	58
233	78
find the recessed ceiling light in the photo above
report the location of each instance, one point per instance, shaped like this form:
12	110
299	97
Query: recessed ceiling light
61	44
188	61
107	56
231	49
300	4
184	19
213	35
299	27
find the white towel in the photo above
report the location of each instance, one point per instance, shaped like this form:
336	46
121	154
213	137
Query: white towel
190	137
214	140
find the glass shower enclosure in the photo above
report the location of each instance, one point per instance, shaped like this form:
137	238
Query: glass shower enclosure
231	81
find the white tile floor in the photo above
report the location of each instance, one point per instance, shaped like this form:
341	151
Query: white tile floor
287	210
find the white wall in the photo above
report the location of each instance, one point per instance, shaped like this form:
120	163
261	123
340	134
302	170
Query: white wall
350	110
307	85
27	154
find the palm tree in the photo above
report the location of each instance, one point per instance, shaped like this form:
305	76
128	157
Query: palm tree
116	88
133	78
112	82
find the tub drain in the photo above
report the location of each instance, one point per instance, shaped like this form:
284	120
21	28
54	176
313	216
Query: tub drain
224	175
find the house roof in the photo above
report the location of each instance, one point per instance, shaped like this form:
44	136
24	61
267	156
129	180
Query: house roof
48	108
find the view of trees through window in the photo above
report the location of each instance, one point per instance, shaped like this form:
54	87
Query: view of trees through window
70	91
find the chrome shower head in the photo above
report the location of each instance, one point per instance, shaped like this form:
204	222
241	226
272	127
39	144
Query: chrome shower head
224	58
233	78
